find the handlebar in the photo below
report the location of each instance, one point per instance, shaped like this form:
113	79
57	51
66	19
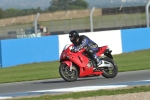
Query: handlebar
81	50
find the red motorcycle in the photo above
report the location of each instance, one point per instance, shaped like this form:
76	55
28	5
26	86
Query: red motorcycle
78	64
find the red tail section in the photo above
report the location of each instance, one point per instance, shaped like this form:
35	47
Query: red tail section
101	50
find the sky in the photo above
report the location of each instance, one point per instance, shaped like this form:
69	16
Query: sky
26	4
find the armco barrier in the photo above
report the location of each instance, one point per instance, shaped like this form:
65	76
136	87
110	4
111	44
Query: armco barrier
135	39
42	49
29	50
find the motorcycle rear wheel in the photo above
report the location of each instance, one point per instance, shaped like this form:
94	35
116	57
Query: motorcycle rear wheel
68	75
110	72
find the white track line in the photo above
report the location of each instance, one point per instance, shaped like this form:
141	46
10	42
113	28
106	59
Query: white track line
2	98
84	88
76	89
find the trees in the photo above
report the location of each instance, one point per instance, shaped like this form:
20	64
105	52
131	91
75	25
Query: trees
1	13
13	12
57	5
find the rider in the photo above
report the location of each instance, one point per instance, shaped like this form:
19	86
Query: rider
84	42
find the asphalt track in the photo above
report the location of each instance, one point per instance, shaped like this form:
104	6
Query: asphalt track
58	86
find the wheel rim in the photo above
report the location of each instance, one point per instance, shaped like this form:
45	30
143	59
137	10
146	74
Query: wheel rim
67	73
110	70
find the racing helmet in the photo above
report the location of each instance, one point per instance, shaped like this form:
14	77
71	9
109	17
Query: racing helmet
73	36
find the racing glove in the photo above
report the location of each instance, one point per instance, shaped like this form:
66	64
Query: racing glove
76	49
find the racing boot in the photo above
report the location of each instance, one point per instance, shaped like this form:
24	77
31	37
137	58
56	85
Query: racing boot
100	63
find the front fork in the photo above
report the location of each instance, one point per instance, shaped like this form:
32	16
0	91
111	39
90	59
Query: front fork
68	63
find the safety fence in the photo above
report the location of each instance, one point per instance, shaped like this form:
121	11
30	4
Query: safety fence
64	21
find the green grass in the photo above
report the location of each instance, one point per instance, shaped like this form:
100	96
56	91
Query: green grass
91	93
138	60
28	72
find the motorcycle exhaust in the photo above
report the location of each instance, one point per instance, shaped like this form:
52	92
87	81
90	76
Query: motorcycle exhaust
105	64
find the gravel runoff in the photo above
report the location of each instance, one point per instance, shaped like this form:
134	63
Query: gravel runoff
129	96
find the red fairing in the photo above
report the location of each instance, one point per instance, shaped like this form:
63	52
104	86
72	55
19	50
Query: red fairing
68	63
79	60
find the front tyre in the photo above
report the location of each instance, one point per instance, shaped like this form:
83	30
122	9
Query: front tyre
110	72
68	75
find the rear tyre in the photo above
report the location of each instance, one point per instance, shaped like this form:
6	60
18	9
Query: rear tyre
68	75
112	71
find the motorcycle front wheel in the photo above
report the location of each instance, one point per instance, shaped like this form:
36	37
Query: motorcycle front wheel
66	74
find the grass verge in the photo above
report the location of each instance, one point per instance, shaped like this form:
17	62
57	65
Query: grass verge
92	93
